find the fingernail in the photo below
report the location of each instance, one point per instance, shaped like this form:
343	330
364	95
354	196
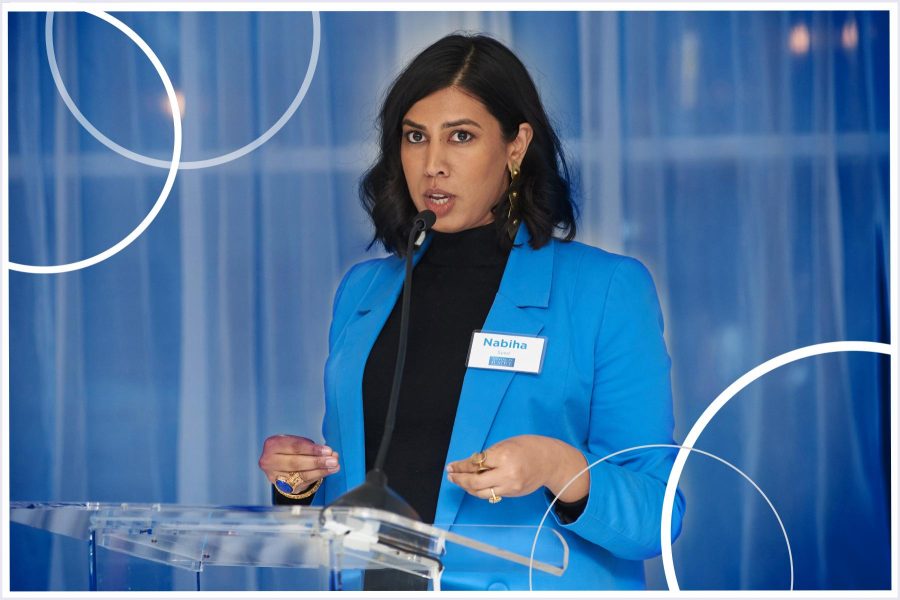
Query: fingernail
331	462
449	468
325	450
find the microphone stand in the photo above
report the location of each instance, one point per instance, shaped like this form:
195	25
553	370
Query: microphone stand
375	493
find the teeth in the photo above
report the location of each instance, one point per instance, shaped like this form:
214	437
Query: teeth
439	199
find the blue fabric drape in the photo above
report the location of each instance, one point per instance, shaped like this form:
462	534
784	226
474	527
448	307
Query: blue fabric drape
742	156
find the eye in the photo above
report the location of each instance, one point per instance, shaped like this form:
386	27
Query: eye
414	136
461	136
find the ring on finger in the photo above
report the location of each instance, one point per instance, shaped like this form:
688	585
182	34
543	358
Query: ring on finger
494	499
288	483
478	460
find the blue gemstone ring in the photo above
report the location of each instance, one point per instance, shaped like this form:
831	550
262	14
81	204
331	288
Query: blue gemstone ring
287	485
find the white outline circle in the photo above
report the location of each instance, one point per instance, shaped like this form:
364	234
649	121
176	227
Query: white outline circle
787	541
188	164
173	166
665	531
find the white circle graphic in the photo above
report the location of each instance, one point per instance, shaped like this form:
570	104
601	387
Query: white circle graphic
665	515
665	531
172	166
188	164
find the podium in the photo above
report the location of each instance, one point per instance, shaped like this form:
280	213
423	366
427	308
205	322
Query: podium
337	543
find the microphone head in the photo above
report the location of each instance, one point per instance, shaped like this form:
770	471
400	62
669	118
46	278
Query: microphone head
424	221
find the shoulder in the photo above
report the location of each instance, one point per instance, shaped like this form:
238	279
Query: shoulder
351	291
362	273
604	288
609	294
360	277
597	269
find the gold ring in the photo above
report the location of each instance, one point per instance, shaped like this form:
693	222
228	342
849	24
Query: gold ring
478	460
309	492
293	480
494	499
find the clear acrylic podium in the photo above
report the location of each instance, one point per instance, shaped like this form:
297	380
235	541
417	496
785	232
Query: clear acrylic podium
337	543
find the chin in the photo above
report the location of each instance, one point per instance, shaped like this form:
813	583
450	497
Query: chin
450	225
445	228
444	225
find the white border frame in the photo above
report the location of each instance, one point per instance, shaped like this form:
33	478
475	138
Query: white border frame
417	6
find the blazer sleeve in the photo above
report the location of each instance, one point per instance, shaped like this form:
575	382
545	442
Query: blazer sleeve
631	405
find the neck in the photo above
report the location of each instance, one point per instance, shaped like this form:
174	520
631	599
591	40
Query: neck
476	247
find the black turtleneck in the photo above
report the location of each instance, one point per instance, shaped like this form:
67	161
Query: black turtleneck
454	285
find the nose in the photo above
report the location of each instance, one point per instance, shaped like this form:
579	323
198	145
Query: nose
435	162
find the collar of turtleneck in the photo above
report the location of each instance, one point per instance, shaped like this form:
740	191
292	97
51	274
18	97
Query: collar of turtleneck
476	247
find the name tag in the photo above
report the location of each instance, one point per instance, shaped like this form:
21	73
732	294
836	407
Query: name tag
504	352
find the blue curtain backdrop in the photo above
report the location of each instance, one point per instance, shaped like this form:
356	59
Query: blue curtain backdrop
743	156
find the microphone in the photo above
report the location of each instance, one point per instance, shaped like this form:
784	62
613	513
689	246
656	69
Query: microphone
375	493
424	221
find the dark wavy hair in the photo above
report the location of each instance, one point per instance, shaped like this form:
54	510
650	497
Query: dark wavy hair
488	71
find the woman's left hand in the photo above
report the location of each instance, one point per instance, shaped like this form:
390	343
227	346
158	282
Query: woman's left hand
519	465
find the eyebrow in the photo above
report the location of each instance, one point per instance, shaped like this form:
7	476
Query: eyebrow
445	125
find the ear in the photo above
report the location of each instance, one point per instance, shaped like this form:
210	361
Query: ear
519	145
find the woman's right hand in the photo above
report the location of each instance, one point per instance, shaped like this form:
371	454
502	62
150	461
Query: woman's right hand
286	454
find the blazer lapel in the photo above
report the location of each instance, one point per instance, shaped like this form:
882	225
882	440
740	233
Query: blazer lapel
525	284
360	335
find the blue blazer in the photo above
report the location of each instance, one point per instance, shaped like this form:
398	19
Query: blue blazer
604	386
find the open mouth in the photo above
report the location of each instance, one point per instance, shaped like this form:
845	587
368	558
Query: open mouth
439	201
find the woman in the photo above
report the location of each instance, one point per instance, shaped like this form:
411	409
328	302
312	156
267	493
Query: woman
464	134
